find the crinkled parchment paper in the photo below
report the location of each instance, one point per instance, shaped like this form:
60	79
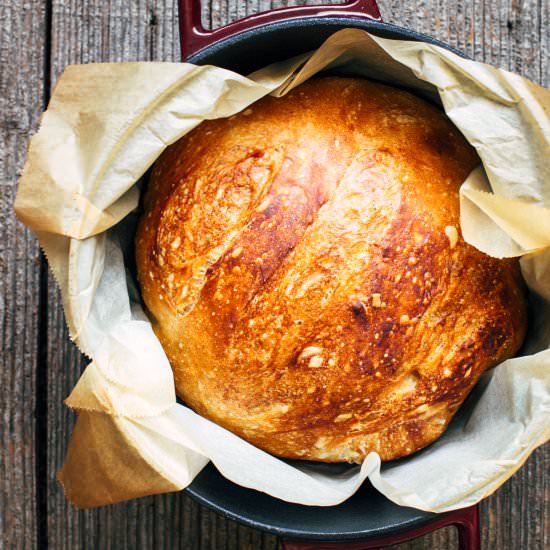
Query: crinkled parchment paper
105	126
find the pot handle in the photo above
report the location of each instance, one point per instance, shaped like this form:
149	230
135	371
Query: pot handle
194	37
465	520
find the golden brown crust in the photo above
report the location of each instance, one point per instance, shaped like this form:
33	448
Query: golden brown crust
303	268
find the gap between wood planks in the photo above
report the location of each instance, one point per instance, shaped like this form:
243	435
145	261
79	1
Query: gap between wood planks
41	411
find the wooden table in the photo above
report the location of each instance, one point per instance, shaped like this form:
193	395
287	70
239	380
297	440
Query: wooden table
40	365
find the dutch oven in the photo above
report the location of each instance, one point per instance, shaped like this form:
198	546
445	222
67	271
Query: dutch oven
367	519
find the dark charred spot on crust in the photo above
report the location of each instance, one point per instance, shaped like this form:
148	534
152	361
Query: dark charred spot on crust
257	153
463	365
439	141
294	358
492	339
485	285
386	328
358	308
506	297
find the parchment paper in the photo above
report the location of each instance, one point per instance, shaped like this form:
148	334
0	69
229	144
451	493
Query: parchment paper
107	123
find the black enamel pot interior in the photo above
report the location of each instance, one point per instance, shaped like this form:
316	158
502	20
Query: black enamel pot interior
251	50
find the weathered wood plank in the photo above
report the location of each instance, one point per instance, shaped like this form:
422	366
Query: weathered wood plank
139	30
21	100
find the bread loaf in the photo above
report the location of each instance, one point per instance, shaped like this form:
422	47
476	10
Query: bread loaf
303	267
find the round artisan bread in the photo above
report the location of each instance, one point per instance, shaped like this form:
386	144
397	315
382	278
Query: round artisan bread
303	268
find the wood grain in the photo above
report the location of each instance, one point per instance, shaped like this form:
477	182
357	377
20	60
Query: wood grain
513	34
21	102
